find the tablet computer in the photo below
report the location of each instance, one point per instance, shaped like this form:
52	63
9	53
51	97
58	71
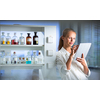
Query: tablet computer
83	48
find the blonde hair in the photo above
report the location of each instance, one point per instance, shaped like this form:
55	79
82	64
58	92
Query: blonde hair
65	32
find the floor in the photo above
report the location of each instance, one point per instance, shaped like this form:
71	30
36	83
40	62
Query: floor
34	74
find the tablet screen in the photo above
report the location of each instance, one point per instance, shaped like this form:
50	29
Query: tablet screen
83	48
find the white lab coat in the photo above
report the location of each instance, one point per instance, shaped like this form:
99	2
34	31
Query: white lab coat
76	71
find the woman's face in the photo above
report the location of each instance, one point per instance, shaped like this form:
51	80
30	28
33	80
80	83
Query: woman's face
69	39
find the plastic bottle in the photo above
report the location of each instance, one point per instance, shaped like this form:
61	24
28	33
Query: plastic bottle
40	57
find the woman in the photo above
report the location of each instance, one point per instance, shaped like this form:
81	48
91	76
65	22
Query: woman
68	68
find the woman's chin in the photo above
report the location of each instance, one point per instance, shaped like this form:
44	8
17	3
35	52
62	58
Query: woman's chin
71	44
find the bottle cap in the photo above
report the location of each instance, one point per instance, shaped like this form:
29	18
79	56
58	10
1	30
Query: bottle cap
35	32
39	53
14	52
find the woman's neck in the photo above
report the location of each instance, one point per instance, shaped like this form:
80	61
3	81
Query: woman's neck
68	48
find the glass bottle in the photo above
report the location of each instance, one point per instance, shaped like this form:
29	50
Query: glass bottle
35	39
3	58
8	58
23	60
28	39
8	39
40	57
14	58
14	40
3	38
21	40
34	58
28	58
0	57
20	60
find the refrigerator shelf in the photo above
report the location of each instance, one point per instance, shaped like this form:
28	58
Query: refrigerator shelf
22	47
22	66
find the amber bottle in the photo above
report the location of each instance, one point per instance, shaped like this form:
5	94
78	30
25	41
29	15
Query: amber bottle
35	39
28	39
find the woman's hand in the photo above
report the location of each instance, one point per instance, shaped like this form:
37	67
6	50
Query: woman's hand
74	49
82	61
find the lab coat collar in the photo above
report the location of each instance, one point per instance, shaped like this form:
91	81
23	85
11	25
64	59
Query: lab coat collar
64	51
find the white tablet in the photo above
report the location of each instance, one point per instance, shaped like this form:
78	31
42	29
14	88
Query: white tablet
83	48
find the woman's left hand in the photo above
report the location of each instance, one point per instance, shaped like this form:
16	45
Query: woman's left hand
82	60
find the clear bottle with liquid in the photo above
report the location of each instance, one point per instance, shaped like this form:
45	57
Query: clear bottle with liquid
8	58
23	60
35	39
28	58
3	39
19	60
14	40
14	58
3	58
0	57
34	58
8	39
28	39
21	39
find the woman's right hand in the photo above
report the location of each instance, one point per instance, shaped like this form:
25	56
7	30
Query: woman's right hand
74	49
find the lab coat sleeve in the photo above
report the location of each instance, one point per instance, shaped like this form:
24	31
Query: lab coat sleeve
61	64
89	73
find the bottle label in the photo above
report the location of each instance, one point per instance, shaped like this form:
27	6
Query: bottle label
36	60
8	40
15	59
15	40
3	59
40	60
8	59
36	39
29	39
29	59
22	40
3	39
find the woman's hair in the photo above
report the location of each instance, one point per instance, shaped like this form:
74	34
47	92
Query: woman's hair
65	32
